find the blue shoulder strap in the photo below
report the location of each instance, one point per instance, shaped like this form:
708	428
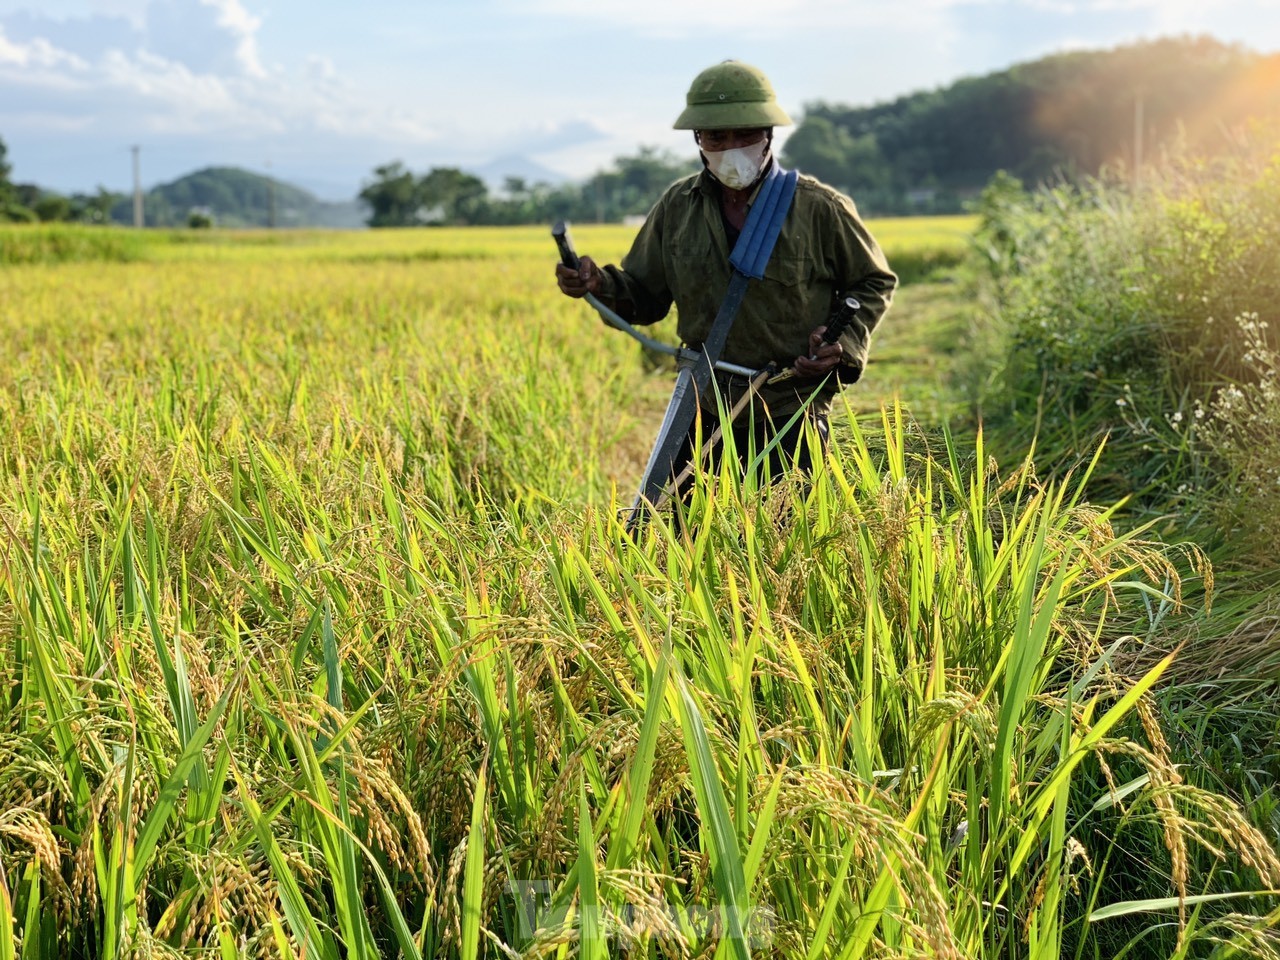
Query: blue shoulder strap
755	244
750	255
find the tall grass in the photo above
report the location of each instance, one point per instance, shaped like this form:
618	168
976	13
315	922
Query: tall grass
1141	317
325	639
64	243
1149	317
918	245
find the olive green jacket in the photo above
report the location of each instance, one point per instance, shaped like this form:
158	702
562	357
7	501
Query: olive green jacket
681	255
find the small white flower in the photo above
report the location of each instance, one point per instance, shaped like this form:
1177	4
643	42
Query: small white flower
1177	416
1121	402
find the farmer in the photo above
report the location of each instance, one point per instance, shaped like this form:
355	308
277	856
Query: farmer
681	255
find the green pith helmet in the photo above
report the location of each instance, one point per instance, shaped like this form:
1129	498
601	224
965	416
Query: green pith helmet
731	96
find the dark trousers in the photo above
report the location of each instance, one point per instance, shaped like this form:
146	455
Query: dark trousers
792	451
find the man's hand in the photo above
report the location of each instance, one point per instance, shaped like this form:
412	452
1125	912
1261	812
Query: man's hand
822	359
580	282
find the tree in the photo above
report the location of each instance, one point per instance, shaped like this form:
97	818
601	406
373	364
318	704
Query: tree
461	198
1067	115
448	195
394	198
854	164
94	207
12	207
52	207
25	194
820	149
6	188
650	172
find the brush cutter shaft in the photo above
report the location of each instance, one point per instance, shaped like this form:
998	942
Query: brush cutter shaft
569	257
709	445
683	354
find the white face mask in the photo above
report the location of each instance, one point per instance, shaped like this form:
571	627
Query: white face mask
739	167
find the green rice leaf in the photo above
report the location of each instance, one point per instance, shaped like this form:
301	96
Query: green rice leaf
473	873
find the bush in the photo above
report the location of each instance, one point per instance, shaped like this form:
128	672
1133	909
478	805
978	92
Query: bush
16	213
52	207
1242	429
1150	319
68	243
1110	313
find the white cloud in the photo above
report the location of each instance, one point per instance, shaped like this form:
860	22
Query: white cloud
321	68
207	36
37	53
747	18
461	83
551	136
135	11
57	125
1164	15
243	26
187	68
756	19
179	99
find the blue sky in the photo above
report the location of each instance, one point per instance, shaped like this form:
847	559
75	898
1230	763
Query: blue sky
324	92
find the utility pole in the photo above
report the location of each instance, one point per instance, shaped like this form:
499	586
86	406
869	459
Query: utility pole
271	198
137	188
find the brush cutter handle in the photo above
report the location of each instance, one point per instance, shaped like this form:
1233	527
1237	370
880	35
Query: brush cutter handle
569	257
567	254
840	321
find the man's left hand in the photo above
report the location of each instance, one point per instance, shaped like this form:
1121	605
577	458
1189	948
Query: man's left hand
826	357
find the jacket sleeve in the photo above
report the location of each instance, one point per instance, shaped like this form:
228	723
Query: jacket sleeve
862	272
641	282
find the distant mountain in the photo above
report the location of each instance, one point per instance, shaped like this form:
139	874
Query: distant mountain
239	198
1068	115
495	172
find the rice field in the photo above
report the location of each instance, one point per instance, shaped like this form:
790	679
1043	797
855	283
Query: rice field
323	639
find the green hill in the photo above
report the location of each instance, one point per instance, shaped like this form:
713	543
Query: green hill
238	198
1064	116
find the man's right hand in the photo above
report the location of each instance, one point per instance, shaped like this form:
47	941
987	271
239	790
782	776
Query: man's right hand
580	282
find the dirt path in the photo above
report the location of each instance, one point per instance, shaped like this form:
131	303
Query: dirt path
911	351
